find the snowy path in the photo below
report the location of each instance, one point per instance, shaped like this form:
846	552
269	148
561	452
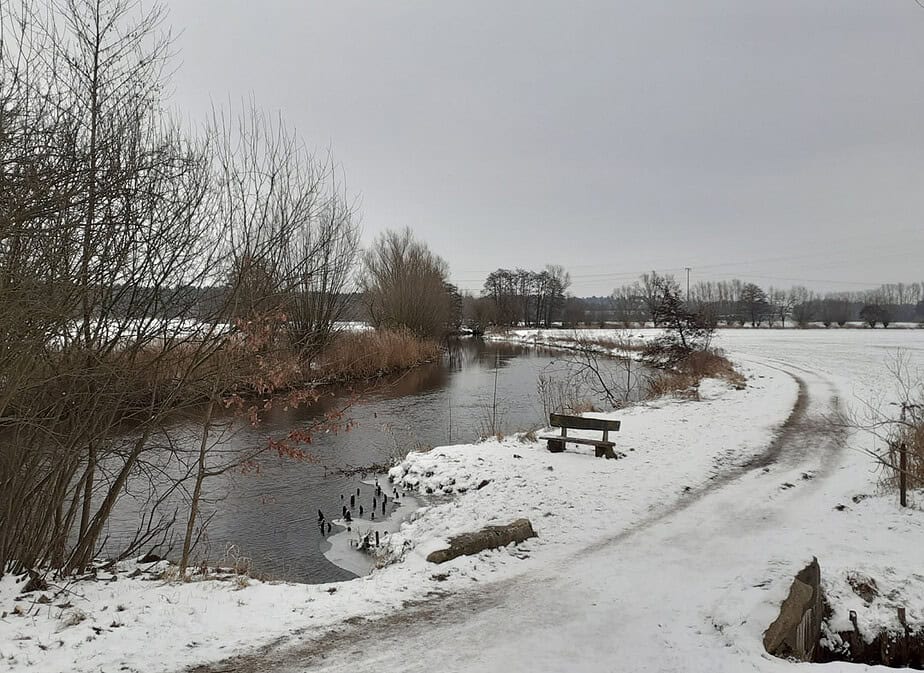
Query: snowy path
674	593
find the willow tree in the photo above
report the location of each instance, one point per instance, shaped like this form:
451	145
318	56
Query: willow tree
405	285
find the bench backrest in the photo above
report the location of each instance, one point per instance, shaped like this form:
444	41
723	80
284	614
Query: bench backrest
581	423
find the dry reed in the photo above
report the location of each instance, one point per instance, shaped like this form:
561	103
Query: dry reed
683	380
365	355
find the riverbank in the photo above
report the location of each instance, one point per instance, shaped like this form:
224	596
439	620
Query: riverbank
675	448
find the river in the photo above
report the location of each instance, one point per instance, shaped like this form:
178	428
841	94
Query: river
270	516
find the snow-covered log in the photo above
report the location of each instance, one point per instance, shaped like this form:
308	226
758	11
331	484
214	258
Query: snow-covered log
489	537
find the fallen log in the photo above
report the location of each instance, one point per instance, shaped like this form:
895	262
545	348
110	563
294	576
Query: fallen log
490	537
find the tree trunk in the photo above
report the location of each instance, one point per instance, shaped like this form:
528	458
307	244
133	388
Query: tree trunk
197	490
86	545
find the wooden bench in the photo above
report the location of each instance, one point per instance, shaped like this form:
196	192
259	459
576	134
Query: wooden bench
601	448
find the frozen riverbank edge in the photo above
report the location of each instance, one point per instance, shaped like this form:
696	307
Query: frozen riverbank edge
680	449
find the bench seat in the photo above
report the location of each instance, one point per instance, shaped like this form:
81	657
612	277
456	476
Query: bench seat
601	449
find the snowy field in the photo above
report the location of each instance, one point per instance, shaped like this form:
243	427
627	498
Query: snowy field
674	558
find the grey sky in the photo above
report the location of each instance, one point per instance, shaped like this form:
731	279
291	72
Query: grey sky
774	141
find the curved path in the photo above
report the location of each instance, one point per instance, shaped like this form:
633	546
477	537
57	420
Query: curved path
676	592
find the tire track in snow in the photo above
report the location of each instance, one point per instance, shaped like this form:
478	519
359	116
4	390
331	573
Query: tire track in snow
794	442
803	438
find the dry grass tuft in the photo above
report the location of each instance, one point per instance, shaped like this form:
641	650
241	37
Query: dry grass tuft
365	355
528	437
673	383
581	407
683	380
710	364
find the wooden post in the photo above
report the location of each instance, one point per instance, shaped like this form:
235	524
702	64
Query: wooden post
903	475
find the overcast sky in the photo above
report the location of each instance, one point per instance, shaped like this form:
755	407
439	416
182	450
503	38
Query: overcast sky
780	142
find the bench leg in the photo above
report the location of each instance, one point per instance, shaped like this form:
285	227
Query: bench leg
601	451
556	445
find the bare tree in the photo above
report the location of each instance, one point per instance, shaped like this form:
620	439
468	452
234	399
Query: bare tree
628	304
478	312
405	285
117	246
802	301
754	304
779	304
684	330
288	226
651	285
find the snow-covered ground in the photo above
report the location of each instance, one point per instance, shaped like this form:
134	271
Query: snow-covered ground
674	558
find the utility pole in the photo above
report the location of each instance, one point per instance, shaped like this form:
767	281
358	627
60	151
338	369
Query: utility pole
688	283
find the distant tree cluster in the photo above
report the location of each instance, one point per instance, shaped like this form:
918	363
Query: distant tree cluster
523	297
735	302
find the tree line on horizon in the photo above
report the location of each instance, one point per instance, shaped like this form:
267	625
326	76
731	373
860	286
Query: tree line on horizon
735	302
520	297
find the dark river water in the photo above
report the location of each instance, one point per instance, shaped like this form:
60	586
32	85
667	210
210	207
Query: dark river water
270	516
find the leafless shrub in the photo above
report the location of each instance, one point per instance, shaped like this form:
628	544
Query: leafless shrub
405	286
910	439
614	380
897	428
561	395
235	559
115	236
492	421
288	228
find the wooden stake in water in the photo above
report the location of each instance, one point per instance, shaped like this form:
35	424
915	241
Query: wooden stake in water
494	401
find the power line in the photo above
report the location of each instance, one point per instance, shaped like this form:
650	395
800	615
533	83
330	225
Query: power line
828	261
